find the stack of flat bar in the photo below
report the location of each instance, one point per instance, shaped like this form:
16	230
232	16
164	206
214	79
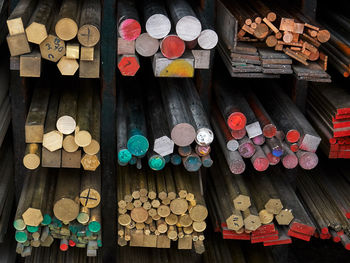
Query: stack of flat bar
313	72
176	36
328	108
244	61
61	124
150	124
275	62
156	208
67	34
64	206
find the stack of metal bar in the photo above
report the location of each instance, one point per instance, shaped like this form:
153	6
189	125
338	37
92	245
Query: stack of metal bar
328	108
335	19
7	188
53	254
61	33
249	61
5	111
61	206
260	24
264	130
63	117
4	6
327	202
181	33
234	251
244	207
217	251
172	114
156	208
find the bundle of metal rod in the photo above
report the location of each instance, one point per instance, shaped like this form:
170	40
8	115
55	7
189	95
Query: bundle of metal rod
53	254
328	109
263	145
68	34
157	208
157	39
140	254
294	215
241	225
3	17
231	198
61	206
7	192
218	250
5	112
154	136
63	127
290	120
243	207
326	203
254	22
338	47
